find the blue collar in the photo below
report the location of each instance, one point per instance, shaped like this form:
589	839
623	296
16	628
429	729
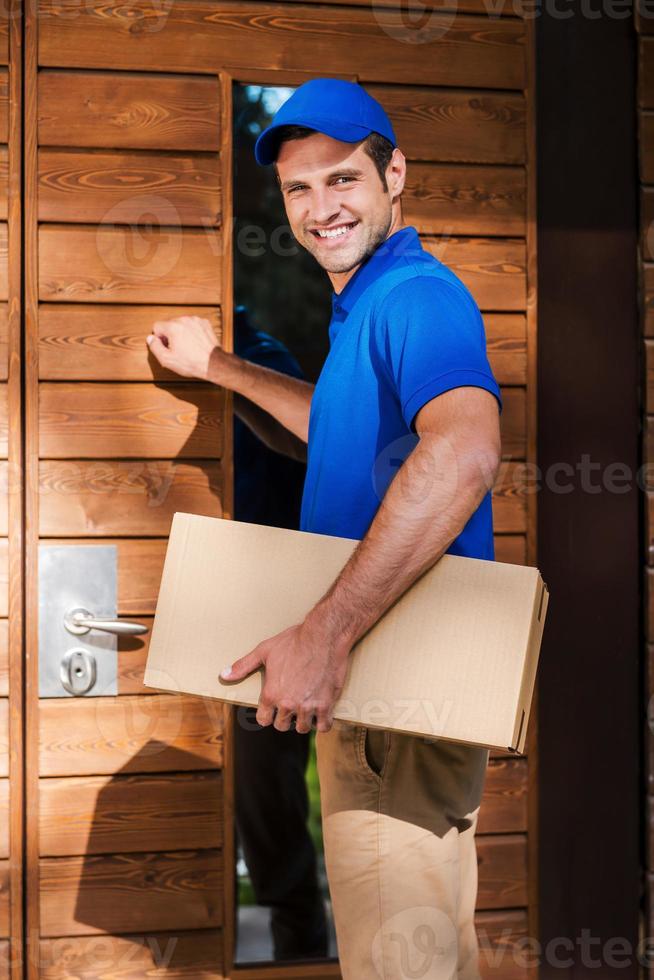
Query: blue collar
401	245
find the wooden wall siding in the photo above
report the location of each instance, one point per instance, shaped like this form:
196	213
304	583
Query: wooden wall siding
127	174
127	109
185	956
198	37
646	274
83	342
10	698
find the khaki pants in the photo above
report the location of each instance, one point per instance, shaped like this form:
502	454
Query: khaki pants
399	816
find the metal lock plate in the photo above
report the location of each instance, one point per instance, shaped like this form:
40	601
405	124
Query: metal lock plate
73	577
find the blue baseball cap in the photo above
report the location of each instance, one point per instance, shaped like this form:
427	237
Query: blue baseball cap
340	109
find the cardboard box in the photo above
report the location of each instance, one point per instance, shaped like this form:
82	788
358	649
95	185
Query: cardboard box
455	657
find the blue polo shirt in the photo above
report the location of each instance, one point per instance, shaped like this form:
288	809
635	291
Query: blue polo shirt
404	329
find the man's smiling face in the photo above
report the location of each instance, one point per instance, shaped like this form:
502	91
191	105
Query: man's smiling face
336	203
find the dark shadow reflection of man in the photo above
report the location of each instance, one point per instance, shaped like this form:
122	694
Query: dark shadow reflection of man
271	799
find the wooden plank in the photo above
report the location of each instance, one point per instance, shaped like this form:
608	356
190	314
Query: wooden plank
112	110
499	9
4	181
9	483
130	892
494	270
646	146
644	17
80	497
96	420
442	199
513	423
4	739
646	72
647	222
178	955
450	125
144	733
4	428
4	258
503	951
197	36
504	804
140	564
101	815
649	526
4	898
647	298
511	548
4	105
4	658
649	603
502	861
129	188
129	265
506	344
4	316
4	819
132	656
510	493
4	578
105	342
4	36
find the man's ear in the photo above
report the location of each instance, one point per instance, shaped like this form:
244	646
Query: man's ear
396	173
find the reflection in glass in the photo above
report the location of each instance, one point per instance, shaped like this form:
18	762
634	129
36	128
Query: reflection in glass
281	319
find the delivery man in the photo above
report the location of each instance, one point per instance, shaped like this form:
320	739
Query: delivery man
403	440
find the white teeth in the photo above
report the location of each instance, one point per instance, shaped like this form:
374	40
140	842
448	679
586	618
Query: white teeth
333	232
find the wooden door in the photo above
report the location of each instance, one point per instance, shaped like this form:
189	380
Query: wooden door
127	219
11	501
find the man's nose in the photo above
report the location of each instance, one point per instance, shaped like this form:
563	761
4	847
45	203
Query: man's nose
325	206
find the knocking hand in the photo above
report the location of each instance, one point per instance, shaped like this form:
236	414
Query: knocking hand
303	676
184	345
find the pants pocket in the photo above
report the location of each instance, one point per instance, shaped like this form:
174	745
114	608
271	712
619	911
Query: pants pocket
373	746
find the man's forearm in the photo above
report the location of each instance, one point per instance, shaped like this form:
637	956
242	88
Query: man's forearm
425	508
287	399
271	432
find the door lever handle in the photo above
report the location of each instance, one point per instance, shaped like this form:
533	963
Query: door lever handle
80	621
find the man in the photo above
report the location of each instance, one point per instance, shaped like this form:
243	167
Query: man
406	380
271	800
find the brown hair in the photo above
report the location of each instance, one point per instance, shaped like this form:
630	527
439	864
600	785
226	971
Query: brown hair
378	148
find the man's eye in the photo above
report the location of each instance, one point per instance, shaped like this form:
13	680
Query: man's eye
297	187
345	179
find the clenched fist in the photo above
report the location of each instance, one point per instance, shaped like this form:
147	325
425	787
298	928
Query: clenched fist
184	345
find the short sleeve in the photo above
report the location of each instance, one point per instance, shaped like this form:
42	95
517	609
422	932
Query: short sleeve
430	338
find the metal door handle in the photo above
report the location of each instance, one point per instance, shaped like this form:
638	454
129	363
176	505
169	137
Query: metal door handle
79	621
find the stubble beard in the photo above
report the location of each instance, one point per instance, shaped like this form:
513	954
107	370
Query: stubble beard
375	236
